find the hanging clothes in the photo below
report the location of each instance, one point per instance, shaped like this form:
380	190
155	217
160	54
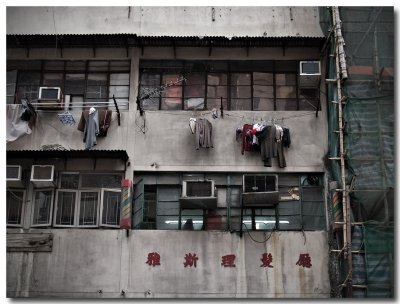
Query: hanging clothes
15	126
247	139
203	134
192	124
104	121
91	130
286	138
268	144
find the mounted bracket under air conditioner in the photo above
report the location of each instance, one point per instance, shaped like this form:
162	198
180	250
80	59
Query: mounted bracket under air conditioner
198	195
260	190
310	74
42	175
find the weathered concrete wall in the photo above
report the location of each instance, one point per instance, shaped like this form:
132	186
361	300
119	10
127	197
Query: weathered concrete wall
166	21
83	262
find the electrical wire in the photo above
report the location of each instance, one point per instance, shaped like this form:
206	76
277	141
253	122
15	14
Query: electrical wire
261	242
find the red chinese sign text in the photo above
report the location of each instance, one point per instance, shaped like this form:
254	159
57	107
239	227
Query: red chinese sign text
304	260
153	259
266	260
190	260
228	260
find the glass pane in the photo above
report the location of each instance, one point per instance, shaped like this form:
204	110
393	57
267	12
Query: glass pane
217	79
194	103
119	79
99	92
313	222
75	65
308	105
174	91
171	103
65	208
263	104
53	79
263	78
265	222
14	206
171	78
150	79
119	91
263	91
69	181
151	103
194	91
314	194
241	92
216	223
285	92
216	103
286	105
31	92
74	83
167	222
192	222
167	208
285	79
149	90
120	65
97	79
240	79
98	66
54	65
42	207
88	208
29	78
111	208
195	78
287	222
240	104
217	91
101	180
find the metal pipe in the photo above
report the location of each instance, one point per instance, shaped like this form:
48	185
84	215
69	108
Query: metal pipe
338	34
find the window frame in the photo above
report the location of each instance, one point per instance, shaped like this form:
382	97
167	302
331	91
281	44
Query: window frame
79	202
11	190
56	208
101	224
50	221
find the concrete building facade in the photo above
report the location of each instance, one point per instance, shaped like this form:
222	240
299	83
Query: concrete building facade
164	66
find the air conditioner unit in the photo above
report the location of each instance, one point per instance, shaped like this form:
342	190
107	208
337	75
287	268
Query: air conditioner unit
42	175
310	74
14	176
50	98
198	195
260	190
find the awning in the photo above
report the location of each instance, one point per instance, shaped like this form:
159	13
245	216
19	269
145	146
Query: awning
65	154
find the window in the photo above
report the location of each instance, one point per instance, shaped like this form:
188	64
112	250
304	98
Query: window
301	205
42	207
87	82
241	85
88	200
15	202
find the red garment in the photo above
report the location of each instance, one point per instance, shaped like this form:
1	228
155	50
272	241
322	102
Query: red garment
245	145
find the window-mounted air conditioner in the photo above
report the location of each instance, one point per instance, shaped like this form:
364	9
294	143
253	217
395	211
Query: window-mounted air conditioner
50	98
42	175
310	74
198	195
260	190
14	176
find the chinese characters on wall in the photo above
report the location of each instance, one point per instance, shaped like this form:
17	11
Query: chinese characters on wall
190	260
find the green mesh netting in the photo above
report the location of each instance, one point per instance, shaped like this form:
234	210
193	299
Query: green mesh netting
369	132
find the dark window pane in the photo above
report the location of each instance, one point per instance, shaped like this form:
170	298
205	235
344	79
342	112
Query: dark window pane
69	181
14	207
171	103
75	66
174	91
240	79
286	105
285	79
263	104
42	207
195	78
53	79
217	91
111	210
98	66
150	79
88	208
97	79
120	65
241	92
54	65
101	180
217	79
74	84
263	78
194	91
263	91
29	78
65	208
216	103
240	104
